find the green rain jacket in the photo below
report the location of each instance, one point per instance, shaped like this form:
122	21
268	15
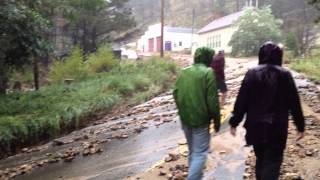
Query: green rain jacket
196	96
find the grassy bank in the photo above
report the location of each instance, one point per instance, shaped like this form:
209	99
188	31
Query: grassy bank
28	117
308	66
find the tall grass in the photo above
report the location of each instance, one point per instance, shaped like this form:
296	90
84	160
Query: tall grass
309	66
102	60
72	67
27	117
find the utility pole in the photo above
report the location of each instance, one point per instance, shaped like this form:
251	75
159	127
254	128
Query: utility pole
162	27
237	5
193	19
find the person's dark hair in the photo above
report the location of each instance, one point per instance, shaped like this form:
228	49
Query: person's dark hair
203	55
221	52
270	53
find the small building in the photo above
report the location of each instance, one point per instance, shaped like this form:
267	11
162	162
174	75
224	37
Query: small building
218	33
175	39
116	49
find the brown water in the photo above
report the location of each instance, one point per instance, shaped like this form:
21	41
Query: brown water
120	158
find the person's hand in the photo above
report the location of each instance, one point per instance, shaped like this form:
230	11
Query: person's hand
233	131
300	135
222	100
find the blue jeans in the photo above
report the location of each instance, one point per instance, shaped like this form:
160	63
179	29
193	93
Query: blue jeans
198	140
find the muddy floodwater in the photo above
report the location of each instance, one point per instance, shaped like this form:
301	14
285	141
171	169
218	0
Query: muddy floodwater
120	158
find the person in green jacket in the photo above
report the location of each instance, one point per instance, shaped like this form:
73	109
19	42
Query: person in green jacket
197	100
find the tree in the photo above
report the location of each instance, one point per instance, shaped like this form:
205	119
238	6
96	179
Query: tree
45	9
292	43
220	8
255	27
20	37
92	22
298	18
316	4
237	5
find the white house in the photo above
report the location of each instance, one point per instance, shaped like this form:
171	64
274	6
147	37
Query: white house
218	33
175	39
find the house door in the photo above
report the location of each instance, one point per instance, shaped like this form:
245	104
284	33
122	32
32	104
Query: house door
151	44
168	46
158	44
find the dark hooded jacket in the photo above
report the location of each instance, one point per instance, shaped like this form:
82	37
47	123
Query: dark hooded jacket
267	95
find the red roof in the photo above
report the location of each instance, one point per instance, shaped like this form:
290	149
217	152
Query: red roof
221	22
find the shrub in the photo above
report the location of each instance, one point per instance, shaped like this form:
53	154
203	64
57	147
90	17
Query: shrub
141	83
25	76
102	60
292	44
309	66
255	27
315	52
122	84
71	67
31	116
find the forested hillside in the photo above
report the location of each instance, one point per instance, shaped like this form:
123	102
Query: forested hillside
180	12
177	12
300	36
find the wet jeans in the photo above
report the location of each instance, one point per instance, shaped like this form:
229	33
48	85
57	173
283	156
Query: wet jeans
198	144
268	162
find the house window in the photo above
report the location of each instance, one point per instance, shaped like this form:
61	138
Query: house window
212	42
180	43
217	41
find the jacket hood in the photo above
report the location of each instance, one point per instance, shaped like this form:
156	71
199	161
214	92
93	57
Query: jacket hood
203	56
270	53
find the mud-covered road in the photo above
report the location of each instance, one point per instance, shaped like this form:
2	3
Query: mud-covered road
135	143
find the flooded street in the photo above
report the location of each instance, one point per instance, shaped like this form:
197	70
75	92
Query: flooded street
228	155
120	158
135	143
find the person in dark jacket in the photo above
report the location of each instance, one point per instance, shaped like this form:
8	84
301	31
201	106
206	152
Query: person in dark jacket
267	94
218	64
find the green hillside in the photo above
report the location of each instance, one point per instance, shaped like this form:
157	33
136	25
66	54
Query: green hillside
177	12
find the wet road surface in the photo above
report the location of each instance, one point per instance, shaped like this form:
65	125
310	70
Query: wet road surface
120	158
